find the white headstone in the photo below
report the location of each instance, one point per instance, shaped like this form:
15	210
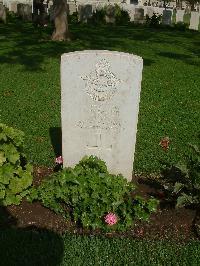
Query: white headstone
100	104
13	7
180	15
131	11
150	11
194	21
72	8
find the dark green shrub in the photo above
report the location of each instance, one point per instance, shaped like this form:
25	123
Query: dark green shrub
15	175
123	18
98	17
153	21
87	192
73	19
181	26
117	15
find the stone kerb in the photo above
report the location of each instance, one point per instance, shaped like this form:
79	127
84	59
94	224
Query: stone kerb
100	92
194	21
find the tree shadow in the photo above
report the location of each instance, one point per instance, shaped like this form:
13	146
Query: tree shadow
28	246
188	59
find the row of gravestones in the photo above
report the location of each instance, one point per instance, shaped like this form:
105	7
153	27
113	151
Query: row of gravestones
137	14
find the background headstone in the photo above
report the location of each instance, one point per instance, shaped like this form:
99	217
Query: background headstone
139	15
2	13
150	11
194	21
13	7
72	8
167	17
24	11
110	14
85	12
180	15
100	104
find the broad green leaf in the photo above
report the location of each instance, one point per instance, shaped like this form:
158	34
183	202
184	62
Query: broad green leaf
2	158
177	187
184	200
182	167
2	191
3	136
11	152
6	173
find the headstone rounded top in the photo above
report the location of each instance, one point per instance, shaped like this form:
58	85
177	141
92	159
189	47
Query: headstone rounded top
99	52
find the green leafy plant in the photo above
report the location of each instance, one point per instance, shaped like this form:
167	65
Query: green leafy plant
122	16
98	17
15	175
183	179
119	16
87	193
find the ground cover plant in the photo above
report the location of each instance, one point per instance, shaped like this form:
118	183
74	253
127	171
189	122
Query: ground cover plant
15	175
94	198
30	101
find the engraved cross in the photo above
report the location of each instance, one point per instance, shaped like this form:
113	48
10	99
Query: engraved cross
97	146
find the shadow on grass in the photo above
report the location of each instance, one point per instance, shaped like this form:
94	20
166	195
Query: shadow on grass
29	246
28	46
56	140
188	59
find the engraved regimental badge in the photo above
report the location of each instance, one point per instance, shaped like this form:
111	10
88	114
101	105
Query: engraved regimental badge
101	84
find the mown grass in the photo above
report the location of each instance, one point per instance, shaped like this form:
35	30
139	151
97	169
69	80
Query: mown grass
27	248
30	86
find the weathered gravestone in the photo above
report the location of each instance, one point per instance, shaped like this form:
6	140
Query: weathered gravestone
180	15
130	9
72	8
2	13
100	103
110	14
167	17
139	15
13	7
194	21
85	12
24	11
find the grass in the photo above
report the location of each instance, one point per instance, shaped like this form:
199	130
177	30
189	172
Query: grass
30	86
27	248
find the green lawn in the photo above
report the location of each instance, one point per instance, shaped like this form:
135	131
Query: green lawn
30	86
30	248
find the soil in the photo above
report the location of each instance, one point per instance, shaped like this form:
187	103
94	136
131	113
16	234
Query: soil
167	223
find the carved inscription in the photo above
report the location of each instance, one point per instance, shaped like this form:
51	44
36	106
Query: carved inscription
101	84
104	124
99	118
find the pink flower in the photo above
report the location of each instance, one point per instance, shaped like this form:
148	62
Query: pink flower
110	218
59	160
